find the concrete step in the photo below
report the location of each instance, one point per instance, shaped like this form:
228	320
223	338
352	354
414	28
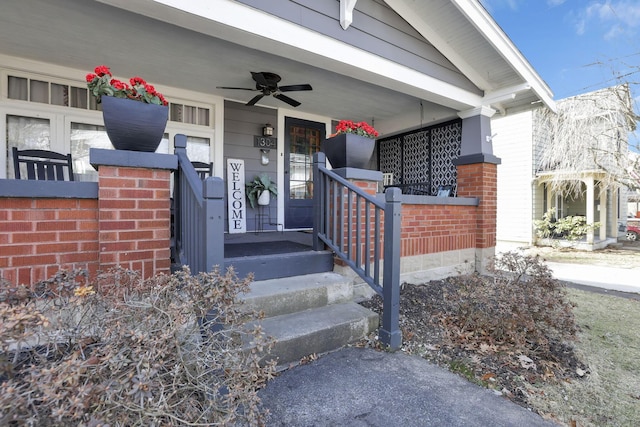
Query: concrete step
275	266
287	295
317	330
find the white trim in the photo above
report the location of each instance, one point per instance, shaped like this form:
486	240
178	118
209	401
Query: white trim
477	15
280	132
483	110
485	24
346	12
504	94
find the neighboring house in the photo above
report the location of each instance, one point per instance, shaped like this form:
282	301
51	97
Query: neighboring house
571	160
427	75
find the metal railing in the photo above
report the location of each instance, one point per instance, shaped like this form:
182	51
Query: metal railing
198	210
349	222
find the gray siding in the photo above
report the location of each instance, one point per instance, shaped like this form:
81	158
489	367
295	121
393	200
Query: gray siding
376	28
241	123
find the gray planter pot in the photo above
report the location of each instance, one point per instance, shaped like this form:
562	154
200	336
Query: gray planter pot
134	125
348	150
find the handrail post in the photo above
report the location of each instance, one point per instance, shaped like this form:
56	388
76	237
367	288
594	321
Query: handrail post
390	333
180	144
319	159
213	194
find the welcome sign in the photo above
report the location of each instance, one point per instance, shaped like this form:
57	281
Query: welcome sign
236	201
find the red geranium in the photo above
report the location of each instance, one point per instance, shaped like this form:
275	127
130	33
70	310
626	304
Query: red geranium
101	83
359	128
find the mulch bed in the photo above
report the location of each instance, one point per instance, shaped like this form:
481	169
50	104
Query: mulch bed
424	310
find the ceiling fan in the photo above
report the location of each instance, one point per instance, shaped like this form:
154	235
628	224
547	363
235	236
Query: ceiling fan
267	83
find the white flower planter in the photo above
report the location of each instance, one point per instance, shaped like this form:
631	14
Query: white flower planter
264	198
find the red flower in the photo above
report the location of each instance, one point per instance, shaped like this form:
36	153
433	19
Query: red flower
102	70
137	81
118	85
150	89
102	84
360	128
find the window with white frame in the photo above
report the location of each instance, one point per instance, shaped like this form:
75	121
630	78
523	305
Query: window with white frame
61	116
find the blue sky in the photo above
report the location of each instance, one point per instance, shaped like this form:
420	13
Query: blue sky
576	46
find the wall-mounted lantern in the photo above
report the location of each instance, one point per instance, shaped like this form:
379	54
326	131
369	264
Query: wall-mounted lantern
267	130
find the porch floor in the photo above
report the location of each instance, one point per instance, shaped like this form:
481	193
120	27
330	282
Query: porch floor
272	255
266	243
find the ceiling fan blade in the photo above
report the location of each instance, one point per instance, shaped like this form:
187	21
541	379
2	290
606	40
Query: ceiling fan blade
286	99
237	88
291	88
254	100
259	78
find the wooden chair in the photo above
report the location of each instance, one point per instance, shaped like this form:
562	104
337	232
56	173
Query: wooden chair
204	170
43	165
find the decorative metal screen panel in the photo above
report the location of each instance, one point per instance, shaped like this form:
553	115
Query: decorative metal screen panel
445	145
422	160
416	158
390	156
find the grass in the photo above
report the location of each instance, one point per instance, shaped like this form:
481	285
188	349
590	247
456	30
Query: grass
609	342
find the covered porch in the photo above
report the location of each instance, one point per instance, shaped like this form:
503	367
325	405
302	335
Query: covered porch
596	201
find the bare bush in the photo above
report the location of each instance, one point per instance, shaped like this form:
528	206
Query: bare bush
518	307
174	350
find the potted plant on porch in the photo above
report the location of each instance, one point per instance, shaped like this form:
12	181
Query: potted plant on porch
351	146
135	115
259	190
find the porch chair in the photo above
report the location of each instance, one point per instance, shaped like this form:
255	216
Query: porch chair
43	165
204	170
446	190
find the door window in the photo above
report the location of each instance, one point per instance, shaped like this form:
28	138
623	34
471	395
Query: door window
304	143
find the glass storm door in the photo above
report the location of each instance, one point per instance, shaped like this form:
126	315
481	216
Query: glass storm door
302	141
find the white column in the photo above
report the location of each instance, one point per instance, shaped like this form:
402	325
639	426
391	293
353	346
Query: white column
603	213
615	214
590	202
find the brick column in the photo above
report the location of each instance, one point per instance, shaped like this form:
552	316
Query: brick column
134	210
478	177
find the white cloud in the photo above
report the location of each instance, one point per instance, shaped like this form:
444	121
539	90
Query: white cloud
611	18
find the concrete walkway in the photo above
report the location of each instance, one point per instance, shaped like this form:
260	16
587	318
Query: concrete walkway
611	278
365	387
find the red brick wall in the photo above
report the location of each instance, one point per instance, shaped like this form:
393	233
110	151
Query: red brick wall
128	225
38	237
433	228
428	229
134	219
425	228
481	180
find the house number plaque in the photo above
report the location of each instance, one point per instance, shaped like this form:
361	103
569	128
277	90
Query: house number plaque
265	142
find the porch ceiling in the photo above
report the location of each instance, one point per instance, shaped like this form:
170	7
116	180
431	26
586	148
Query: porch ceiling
179	50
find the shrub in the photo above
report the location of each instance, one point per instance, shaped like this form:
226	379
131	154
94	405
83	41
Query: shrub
168	351
570	227
519	307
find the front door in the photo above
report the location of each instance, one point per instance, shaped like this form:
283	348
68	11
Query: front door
302	141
